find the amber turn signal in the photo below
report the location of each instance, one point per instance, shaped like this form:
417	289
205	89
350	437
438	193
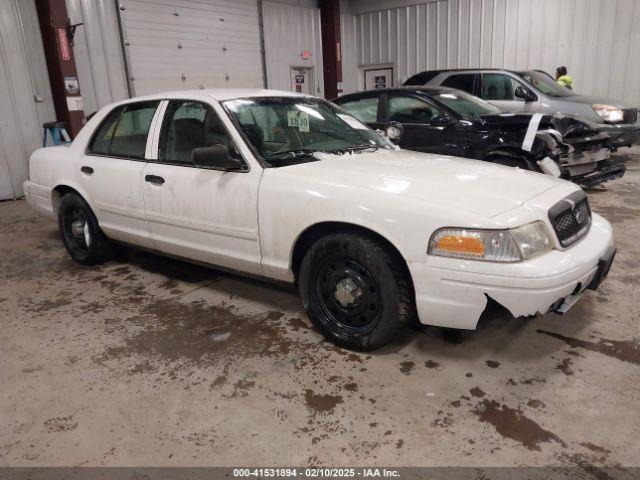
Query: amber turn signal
459	244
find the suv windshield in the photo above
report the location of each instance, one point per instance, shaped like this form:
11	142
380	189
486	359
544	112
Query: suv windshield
545	84
466	105
287	130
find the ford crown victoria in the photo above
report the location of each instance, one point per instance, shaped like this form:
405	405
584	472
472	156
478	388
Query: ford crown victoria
292	188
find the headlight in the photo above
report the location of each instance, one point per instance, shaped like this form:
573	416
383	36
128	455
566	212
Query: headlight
609	113
505	246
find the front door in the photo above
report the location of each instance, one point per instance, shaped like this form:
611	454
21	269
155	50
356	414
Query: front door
420	131
196	212
110	172
499	89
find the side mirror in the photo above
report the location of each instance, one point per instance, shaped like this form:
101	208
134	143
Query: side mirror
216	157
394	131
525	94
442	120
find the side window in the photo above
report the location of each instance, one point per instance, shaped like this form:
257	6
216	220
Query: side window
498	86
124	132
364	109
464	82
405	109
189	125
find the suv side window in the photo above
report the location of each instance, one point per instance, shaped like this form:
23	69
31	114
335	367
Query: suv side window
123	133
405	109
462	81
498	86
364	109
189	125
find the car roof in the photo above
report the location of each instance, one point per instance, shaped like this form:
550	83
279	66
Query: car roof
219	94
430	90
436	72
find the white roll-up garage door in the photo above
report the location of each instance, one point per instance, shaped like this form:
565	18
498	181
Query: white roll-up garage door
185	44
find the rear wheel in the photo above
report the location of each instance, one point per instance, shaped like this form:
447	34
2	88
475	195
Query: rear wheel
82	237
355	291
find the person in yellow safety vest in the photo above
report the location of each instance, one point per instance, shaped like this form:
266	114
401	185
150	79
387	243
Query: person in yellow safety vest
563	79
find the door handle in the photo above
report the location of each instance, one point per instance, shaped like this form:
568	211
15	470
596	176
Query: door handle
87	170
155	179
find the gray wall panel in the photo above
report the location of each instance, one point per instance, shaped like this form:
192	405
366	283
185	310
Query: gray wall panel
598	40
25	95
288	30
98	52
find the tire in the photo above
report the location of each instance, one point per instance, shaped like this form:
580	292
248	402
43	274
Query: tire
355	291
82	237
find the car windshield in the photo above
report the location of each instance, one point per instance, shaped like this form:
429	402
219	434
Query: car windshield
466	105
545	84
286	130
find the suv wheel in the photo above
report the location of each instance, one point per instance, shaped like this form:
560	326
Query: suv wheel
80	232
354	291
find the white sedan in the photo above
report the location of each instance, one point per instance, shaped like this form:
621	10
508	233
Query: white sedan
290	187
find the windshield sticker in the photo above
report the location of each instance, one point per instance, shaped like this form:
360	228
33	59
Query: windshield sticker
299	120
352	122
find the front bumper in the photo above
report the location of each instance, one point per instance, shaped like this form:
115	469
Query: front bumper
453	293
622	135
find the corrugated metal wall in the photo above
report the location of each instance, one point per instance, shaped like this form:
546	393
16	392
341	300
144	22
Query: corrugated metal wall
184	44
598	40
288	31
25	94
98	52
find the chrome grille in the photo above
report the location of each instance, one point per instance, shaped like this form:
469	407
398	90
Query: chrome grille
571	218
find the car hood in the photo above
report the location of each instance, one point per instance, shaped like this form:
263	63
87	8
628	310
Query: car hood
473	186
590	100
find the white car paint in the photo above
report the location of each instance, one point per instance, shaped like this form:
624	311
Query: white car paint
250	221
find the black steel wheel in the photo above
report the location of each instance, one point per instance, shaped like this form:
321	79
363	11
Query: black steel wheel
355	291
82	237
346	295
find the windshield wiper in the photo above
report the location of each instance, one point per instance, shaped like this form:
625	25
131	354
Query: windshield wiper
355	148
291	154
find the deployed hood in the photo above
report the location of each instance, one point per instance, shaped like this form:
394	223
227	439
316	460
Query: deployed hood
474	186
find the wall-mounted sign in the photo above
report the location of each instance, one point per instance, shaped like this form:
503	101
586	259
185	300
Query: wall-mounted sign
306	54
63	41
71	85
75	104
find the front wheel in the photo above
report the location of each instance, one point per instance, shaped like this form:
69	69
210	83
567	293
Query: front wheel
355	291
82	237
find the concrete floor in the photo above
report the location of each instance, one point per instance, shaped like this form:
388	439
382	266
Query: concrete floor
149	361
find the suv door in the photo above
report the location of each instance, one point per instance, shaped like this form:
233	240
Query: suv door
196	212
417	116
499	89
111	170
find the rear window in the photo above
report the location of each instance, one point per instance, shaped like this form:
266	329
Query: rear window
463	81
421	78
124	132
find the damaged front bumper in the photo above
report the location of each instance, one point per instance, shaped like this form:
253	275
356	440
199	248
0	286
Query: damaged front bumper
583	159
453	293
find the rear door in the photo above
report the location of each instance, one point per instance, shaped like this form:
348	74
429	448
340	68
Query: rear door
111	170
196	212
416	115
